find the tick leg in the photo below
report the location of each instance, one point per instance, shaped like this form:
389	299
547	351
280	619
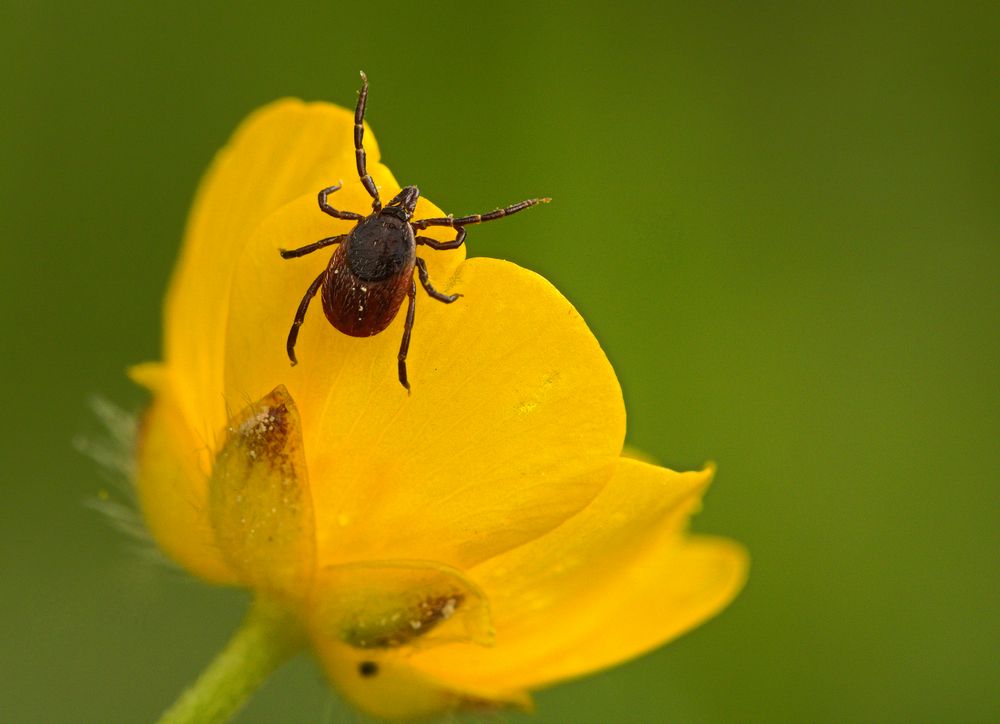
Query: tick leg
310	248
443	245
300	316
326	208
478	218
359	149
404	346
425	280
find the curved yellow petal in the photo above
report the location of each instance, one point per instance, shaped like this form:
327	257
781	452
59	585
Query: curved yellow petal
514	423
617	580
672	591
171	481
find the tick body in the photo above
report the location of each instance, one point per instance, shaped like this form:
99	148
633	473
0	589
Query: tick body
369	275
371	270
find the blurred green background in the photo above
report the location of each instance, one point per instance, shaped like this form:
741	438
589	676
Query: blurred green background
781	221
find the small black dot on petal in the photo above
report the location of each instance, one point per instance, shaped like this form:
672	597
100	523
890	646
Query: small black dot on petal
367	668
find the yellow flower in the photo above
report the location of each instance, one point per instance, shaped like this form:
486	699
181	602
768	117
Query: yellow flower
453	548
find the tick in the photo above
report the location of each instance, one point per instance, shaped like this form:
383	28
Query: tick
371	270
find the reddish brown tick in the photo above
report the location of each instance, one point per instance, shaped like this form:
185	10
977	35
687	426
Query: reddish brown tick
369	273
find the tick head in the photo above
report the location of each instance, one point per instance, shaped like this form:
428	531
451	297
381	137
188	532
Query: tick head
403	204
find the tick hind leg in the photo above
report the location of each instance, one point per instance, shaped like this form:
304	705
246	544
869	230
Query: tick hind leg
404	346
425	281
359	148
300	316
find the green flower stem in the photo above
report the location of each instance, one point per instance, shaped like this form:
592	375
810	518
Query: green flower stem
267	638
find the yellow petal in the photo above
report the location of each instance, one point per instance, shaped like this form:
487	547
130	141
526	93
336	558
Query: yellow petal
172	470
259	498
284	151
514	423
612	583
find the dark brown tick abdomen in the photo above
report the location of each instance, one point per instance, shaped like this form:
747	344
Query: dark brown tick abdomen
368	276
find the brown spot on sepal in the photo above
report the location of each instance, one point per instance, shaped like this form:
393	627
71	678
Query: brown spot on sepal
400	627
265	434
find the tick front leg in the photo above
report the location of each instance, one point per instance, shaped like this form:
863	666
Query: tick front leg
479	218
300	316
327	209
443	245
359	146
310	248
404	346
425	280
